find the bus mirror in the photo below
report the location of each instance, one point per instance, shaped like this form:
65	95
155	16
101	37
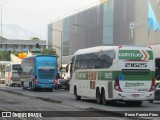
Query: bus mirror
71	65
67	68
20	70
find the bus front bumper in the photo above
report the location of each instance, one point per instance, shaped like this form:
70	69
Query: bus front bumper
47	86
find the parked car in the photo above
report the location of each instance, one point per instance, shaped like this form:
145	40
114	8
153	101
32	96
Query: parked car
63	84
156	92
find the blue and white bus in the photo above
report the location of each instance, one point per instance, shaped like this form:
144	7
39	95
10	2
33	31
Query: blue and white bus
39	72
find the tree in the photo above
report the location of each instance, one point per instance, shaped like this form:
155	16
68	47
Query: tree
15	53
49	51
5	56
35	38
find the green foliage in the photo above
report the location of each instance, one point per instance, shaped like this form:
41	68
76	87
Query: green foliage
35	38
15	53
49	51
5	56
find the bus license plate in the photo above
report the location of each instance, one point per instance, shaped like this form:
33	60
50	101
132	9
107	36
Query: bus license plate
135	95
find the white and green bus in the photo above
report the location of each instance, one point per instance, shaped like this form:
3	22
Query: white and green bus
12	77
113	73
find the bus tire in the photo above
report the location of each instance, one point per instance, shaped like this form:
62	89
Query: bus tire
98	97
24	88
103	97
32	89
75	93
151	101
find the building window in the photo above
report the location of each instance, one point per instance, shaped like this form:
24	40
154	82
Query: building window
108	23
66	27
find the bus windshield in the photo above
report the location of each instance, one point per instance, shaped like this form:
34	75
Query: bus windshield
16	67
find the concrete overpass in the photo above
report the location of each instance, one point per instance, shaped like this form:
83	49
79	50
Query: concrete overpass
21	45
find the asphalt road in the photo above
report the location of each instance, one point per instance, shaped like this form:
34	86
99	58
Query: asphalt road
15	102
26	100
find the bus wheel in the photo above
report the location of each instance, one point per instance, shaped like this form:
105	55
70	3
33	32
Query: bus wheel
103	97
24	88
98	96
32	89
151	101
75	93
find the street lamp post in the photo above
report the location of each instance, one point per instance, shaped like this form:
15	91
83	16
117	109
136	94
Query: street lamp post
2	2
61	47
85	30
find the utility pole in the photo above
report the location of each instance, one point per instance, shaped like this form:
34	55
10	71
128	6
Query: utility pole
2	2
61	32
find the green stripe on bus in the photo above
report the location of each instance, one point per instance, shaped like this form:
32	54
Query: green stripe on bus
150	54
132	76
135	54
107	75
111	75
82	75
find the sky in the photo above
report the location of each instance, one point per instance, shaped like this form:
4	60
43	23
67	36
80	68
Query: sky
35	15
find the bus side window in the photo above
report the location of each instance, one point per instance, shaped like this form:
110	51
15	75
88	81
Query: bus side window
106	59
93	61
77	64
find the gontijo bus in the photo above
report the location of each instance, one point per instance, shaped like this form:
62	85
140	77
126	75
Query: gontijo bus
38	72
113	73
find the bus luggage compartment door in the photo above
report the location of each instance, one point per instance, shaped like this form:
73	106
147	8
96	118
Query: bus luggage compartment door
110	90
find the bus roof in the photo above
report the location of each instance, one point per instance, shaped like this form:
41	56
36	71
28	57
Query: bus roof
45	55
94	49
40	56
104	48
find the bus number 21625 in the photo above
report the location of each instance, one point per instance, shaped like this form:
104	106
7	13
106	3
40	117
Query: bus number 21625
136	65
